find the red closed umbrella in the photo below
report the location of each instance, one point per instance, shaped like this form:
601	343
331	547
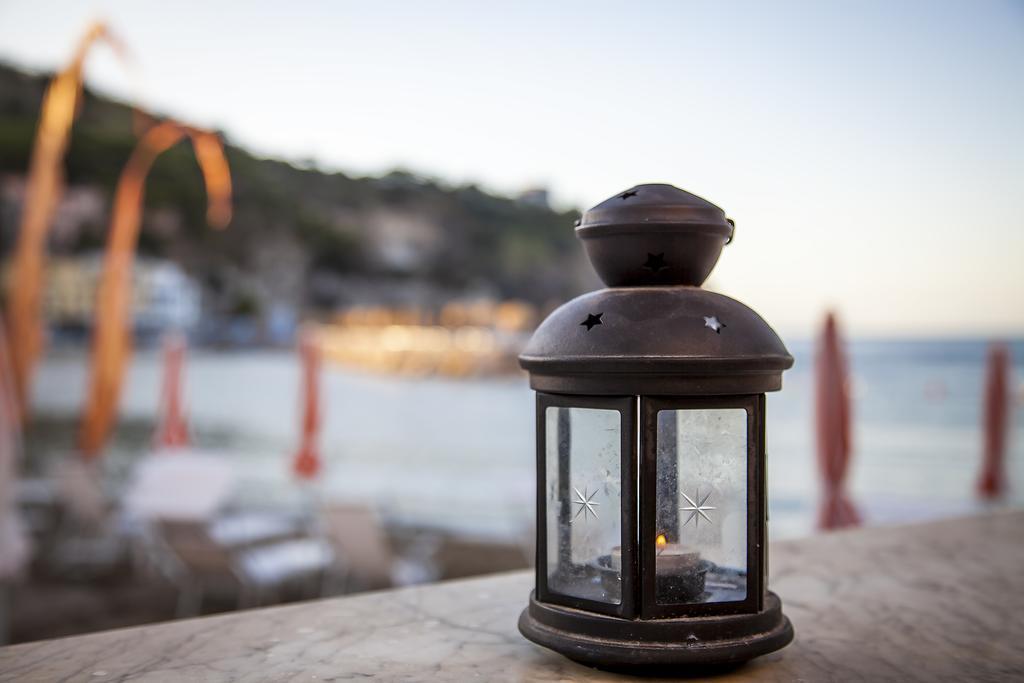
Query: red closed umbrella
992	482
306	464
833	427
172	431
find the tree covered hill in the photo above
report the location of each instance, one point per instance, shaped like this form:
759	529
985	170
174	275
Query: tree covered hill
300	236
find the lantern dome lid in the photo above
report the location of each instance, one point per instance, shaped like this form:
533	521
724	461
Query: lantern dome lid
654	331
655	340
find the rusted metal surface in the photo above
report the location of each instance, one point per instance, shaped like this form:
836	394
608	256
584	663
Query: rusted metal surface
597	640
654	235
655	340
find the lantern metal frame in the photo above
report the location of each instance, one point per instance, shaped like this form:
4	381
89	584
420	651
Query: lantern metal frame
650	406
626	407
652	341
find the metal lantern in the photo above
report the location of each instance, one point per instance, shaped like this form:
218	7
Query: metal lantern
651	509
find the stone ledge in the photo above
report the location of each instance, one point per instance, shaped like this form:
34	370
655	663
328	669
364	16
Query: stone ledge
940	601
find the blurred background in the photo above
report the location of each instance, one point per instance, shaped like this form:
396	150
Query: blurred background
267	270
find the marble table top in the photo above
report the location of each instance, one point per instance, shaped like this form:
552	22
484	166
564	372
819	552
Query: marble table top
942	601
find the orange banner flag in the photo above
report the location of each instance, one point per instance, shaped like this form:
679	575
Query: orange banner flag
42	192
111	346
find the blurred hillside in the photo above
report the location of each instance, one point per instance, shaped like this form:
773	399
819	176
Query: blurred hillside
301	238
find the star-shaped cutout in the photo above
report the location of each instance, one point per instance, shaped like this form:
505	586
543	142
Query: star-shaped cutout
586	502
655	262
712	322
627	194
592	320
696	510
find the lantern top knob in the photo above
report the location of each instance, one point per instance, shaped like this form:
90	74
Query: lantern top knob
654	331
654	234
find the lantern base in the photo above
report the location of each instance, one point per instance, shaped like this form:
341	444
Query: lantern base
608	642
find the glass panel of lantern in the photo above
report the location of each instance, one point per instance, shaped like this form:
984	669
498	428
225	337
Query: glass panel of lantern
583	455
701	506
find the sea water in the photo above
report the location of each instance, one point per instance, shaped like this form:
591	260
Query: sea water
459	454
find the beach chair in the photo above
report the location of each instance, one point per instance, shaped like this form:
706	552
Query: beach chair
186	555
368	559
242	529
355	531
199	566
463	556
305	564
88	539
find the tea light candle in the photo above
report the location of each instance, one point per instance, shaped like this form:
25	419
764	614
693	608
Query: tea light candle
675	558
616	559
670	558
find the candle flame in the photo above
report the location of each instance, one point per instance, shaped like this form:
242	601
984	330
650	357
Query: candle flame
660	542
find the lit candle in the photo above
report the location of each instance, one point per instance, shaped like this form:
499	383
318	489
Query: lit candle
674	558
671	558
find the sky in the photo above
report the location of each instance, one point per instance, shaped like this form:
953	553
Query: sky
871	153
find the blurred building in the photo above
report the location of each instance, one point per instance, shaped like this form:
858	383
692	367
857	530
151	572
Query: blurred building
471	337
536	197
163	295
81	211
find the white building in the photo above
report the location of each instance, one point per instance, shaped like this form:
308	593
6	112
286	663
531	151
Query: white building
163	295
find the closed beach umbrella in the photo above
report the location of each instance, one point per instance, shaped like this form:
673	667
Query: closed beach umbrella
992	482
172	431
307	460
832	424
